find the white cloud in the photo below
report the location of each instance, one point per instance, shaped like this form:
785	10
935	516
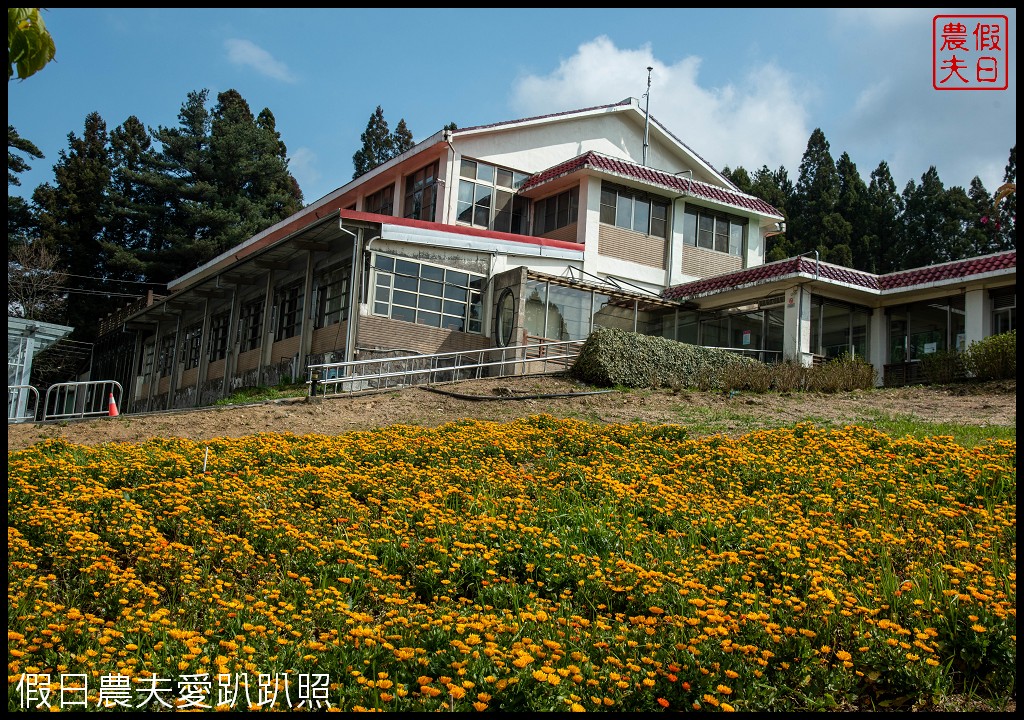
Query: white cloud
248	54
302	165
758	120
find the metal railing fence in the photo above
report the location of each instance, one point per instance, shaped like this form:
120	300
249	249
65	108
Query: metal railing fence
407	370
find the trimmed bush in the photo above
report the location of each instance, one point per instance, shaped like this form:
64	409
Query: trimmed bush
616	357
994	358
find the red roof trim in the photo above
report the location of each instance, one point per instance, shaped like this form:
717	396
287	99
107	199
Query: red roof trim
904	279
696	188
460	230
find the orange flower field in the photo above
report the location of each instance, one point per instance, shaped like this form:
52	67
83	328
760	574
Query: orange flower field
539	565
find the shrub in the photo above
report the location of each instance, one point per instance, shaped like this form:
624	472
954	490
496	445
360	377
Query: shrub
944	366
616	357
994	358
841	374
788	376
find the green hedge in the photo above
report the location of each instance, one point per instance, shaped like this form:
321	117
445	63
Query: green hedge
994	358
616	357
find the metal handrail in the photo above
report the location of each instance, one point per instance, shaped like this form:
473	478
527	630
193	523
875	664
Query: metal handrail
92	402
15	403
355	375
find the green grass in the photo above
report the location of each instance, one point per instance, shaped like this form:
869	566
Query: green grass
965	435
262	394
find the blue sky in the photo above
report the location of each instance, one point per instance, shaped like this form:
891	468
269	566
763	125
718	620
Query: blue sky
739	86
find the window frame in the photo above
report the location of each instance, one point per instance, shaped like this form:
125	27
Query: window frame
488	198
217	344
418	186
288	310
250	325
436	296
556	211
618	201
381	202
714	230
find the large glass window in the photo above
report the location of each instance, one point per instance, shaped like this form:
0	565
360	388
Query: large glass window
556	211
487	198
568	313
634	210
217	346
250	325
165	358
712	230
191	345
288	306
427	294
332	296
421	193
536	307
839	329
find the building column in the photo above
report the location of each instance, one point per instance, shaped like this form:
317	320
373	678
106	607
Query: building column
796	335
308	317
977	316
878	344
204	352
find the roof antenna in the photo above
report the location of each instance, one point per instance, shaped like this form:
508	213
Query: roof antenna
647	114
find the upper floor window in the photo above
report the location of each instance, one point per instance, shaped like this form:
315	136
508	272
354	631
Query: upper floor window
714	230
556	211
250	325
288	305
487	198
634	210
421	193
217	346
381	202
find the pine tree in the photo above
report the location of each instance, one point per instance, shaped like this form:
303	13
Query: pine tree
71	222
378	145
884	208
776	189
187	213
924	223
815	223
1007	209
740	178
128	225
984	235
19	216
401	138
254	189
851	205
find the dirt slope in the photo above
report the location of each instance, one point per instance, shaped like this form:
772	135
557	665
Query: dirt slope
510	398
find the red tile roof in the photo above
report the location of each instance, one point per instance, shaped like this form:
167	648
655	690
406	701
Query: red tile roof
948	271
624	168
903	279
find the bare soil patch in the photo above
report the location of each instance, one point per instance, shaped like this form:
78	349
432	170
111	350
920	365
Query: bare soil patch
506	399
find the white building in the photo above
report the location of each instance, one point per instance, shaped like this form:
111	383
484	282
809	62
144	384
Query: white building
538	228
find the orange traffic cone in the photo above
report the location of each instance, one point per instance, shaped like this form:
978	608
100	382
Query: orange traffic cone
112	407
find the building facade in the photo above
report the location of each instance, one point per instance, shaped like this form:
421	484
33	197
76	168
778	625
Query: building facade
541	228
